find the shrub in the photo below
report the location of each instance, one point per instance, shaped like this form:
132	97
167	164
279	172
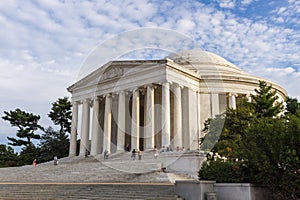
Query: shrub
224	172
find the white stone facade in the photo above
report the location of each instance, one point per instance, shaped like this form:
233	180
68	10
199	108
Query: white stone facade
147	103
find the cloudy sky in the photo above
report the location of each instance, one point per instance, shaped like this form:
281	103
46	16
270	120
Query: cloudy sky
43	44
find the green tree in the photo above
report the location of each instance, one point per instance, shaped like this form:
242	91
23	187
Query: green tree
265	102
266	144
224	132
27	124
8	158
272	153
292	106
53	144
56	143
227	138
61	114
224	171
28	154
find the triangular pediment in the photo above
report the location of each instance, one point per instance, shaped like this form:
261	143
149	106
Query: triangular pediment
111	70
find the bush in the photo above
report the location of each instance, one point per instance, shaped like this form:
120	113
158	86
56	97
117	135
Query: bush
224	172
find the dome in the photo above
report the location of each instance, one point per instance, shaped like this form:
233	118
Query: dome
204	62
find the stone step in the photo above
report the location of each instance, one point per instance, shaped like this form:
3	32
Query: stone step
80	178
87	191
88	170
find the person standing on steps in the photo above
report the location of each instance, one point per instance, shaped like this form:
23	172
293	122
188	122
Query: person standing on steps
128	147
140	153
86	153
55	160
105	154
34	162
155	152
133	154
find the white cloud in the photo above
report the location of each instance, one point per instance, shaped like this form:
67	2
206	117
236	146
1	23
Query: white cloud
226	3
44	43
287	77
288	14
246	2
185	25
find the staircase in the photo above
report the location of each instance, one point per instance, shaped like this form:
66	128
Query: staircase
87	191
118	177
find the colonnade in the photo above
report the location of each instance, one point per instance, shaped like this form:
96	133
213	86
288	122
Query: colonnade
180	110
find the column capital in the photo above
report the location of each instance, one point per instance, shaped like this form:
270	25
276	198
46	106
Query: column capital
121	92
73	103
165	82
134	89
95	98
107	95
232	94
149	85
177	85
87	100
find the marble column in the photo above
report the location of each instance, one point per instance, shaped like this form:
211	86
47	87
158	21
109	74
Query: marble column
73	139
121	122
193	120
215	110
149	136
135	125
232	101
107	123
177	117
85	128
95	142
166	135
199	115
185	117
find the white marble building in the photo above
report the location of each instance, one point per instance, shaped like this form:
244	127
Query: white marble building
147	103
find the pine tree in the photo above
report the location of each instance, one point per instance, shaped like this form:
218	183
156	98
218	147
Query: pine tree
292	106
61	114
56	143
27	124
53	144
265	102
8	157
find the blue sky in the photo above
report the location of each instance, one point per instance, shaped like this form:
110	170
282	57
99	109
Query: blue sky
43	43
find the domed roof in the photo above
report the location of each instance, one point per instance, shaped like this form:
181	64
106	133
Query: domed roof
204	62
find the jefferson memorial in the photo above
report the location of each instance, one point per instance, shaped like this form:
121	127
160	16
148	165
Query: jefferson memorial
155	103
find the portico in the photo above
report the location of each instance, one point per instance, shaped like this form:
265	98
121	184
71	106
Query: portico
147	103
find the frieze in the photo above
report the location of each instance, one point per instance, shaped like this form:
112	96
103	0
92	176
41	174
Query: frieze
111	73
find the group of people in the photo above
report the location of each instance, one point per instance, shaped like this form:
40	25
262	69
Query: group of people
170	149
134	152
155	150
138	152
